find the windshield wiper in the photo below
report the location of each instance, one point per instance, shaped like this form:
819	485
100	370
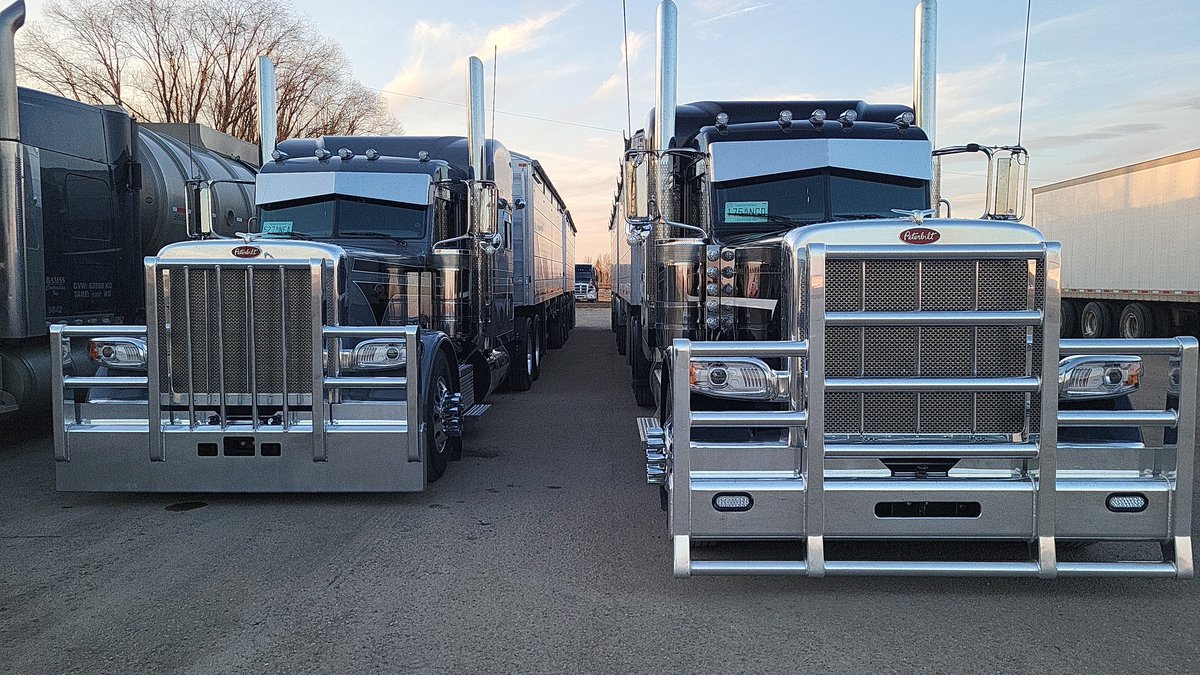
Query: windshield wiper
371	235
858	216
287	235
774	218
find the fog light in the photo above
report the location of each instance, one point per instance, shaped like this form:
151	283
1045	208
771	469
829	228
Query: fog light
1127	502
732	501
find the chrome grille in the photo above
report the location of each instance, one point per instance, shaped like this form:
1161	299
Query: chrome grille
931	351
236	331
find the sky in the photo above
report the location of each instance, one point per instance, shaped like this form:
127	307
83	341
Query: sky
1109	83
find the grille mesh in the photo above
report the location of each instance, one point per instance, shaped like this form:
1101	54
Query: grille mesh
216	310
932	351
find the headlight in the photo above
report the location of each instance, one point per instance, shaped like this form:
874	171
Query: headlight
1092	377
376	354
118	352
743	378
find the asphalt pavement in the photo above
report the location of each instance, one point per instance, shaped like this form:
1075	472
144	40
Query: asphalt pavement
542	551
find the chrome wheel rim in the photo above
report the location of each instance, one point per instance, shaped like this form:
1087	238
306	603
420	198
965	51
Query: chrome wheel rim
441	399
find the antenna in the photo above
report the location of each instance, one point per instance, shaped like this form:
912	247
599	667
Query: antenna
625	47
495	56
1024	63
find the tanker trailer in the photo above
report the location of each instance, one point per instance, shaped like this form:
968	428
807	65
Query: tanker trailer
85	193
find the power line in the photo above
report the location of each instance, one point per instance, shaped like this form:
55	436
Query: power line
498	112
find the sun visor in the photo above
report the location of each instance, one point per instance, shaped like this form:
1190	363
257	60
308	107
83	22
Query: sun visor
735	160
406	188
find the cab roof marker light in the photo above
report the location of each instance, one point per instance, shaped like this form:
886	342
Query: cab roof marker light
722	121
785	118
322	154
278	155
904	120
346	154
817	118
371	154
423	156
848	118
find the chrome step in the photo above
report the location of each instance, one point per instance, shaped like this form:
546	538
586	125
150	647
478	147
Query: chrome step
477	410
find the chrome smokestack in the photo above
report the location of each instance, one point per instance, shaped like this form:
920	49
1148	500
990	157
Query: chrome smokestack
925	68
475	129
667	63
267	108
12	18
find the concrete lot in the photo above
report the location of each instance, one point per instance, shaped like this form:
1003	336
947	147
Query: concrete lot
542	551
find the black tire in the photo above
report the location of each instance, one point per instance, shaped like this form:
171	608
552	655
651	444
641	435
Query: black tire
1069	327
1097	321
630	340
642	392
524	353
539	346
612	318
1163	321
1137	321
554	332
622	339
439	445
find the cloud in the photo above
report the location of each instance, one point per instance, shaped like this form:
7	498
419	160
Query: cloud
616	82
1113	131
729	14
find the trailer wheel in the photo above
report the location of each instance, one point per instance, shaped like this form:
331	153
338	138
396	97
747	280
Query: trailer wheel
1164	324
642	392
439	444
1097	321
1137	321
1069	320
539	346
612	319
622	339
520	374
555	332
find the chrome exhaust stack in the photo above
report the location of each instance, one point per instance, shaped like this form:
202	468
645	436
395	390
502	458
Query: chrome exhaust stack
11	19
475	112
925	84
666	86
267	109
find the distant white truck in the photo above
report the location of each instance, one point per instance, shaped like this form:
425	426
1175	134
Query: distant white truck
1130	239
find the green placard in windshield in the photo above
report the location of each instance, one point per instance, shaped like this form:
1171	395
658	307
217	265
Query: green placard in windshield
277	227
746	212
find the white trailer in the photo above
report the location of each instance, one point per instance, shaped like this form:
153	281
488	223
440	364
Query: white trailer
1130	237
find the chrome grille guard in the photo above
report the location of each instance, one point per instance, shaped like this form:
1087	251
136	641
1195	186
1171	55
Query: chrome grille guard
805	487
146	441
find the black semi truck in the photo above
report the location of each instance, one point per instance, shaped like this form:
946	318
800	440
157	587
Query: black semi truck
85	193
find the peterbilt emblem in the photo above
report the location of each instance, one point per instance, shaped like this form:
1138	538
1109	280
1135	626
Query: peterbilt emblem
920	235
247	251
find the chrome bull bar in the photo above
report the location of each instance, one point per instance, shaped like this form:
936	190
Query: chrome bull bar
808	486
336	444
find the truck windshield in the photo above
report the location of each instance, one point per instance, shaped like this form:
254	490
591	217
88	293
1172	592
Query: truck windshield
326	218
768	202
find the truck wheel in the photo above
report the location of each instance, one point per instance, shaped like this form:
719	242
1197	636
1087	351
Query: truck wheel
1163	322
1096	321
439	444
642	392
555	332
1137	321
524	350
622	339
1069	325
539	346
612	318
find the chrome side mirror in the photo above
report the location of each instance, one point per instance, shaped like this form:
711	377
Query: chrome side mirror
519	204
635	183
200	210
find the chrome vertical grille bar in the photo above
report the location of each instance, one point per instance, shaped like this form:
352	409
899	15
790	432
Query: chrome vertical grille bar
221	351
1047	462
251	336
412	395
59	345
680	512
191	366
283	340
316	270
814	384
1185	457
153	365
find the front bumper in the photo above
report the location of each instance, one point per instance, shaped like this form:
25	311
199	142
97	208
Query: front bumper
339	445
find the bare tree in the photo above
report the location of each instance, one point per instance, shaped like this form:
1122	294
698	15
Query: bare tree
171	61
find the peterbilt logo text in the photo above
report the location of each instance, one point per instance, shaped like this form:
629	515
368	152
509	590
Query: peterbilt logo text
247	251
920	235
